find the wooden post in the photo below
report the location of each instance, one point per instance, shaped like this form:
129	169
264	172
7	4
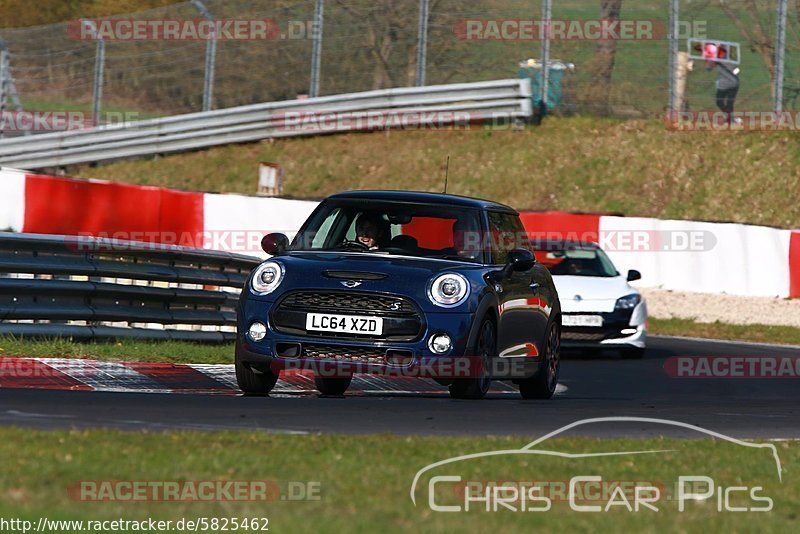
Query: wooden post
683	66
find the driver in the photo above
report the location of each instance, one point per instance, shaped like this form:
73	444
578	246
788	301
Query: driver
466	238
369	230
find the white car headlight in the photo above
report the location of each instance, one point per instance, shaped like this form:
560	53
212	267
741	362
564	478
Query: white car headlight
628	302
267	278
448	290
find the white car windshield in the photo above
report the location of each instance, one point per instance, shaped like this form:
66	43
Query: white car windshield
575	260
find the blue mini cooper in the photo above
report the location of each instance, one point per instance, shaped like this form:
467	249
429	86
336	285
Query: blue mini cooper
402	283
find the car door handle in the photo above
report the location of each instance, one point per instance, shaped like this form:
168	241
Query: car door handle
535	286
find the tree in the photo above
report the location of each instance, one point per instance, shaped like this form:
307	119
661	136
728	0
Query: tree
602	66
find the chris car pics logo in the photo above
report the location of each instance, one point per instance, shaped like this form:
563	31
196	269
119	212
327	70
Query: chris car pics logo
444	489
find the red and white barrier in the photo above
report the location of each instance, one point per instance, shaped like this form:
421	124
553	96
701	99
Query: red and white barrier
735	259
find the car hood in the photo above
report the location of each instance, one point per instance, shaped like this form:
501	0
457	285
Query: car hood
402	275
591	293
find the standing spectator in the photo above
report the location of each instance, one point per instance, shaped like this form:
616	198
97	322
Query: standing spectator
727	78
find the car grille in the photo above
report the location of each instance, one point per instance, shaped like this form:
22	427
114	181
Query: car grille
402	320
349	302
582	336
343	354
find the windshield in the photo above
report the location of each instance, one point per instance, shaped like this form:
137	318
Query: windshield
408	229
575	260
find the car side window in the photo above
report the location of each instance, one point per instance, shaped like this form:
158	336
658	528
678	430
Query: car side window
323	235
507	233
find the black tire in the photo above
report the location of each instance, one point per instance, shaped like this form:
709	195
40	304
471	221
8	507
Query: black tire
543	384
253	382
485	347
632	353
332	386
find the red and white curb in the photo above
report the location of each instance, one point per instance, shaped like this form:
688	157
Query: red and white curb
144	377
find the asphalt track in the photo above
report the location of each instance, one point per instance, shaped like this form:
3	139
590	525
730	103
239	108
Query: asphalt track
596	386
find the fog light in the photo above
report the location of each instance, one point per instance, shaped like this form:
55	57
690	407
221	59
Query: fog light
257	331
440	343
628	331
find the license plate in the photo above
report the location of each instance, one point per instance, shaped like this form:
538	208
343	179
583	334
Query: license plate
344	324
582	320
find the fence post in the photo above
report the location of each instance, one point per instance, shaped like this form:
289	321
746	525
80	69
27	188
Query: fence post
674	30
316	51
8	89
211	56
99	64
547	15
3	67
780	57
422	41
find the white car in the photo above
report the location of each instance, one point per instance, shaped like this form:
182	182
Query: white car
600	309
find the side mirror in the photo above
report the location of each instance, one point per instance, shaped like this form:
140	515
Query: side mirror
274	244
634	275
521	260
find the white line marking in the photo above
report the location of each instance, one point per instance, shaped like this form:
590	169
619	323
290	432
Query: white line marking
18	413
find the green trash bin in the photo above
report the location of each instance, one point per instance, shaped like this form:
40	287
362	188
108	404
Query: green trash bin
532	69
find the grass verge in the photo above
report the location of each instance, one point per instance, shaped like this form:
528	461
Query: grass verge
134	351
363	483
756	333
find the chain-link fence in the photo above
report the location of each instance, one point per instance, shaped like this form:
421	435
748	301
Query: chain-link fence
614	55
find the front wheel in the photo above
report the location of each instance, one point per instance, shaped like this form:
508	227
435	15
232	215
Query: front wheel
332	386
254	381
543	384
483	352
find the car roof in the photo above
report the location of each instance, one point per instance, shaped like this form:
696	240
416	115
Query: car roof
423	197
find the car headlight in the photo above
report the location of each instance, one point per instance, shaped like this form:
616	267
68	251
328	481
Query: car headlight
448	290
628	302
267	278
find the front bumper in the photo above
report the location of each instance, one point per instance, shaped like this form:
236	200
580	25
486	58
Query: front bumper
336	356
330	354
620	329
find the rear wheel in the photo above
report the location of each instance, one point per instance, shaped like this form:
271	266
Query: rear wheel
332	386
483	351
543	384
254	381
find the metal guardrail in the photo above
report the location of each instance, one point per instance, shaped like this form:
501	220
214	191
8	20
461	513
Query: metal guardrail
493	100
91	288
